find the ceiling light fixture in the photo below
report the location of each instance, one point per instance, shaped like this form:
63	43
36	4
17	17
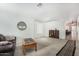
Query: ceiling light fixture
39	4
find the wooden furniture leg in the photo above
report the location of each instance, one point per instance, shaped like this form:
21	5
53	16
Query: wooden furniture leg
35	47
24	50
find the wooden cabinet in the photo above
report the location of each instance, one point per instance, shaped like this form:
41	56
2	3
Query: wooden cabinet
54	33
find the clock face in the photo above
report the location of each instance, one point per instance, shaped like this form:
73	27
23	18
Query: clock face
21	25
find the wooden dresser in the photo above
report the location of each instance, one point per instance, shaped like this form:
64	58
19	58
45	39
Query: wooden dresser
54	33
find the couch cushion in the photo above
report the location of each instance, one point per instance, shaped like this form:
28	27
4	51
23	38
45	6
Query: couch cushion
4	42
5	48
2	37
10	37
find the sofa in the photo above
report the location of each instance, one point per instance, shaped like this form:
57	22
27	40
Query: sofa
7	45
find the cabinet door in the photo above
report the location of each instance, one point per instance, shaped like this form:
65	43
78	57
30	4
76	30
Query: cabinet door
56	34
51	33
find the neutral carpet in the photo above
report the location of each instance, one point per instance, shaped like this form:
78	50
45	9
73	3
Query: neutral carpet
45	47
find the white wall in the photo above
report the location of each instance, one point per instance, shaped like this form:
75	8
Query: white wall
78	27
46	26
78	31
55	25
8	25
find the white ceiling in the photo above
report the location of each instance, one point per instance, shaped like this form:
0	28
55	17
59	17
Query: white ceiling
47	12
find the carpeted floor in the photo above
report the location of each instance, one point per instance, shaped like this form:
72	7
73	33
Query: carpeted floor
46	47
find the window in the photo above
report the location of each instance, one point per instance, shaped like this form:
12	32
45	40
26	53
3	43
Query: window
39	28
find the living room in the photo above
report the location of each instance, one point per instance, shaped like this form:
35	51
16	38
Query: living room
33	21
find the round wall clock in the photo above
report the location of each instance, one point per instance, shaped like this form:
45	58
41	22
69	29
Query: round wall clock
21	25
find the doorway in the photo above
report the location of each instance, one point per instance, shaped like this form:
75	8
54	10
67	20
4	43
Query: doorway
71	31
